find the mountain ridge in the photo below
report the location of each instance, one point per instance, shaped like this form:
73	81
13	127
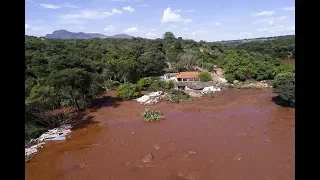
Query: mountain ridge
64	34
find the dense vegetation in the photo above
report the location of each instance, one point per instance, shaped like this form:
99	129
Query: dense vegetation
284	86
205	76
73	72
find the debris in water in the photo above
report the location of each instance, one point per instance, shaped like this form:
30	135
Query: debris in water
157	146
237	157
147	158
151	98
56	134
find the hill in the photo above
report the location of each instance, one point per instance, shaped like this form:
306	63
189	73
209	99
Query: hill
64	34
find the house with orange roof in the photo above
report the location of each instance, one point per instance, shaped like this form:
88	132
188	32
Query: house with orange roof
187	77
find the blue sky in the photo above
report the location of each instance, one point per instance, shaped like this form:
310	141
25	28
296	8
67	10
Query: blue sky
210	20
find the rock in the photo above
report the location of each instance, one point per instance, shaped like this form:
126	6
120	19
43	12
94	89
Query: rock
147	158
127	163
133	132
237	157
191	152
157	146
235	82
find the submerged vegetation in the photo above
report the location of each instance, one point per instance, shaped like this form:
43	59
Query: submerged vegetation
62	73
151	115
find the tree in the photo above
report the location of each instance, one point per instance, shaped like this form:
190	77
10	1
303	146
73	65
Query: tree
205	76
152	64
144	83
128	91
168	35
187	61
284	86
75	86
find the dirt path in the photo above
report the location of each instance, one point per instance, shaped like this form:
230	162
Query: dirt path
240	134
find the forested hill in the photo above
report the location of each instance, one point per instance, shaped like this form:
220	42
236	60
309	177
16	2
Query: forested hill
72	72
64	34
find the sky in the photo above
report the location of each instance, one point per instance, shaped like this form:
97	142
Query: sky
209	20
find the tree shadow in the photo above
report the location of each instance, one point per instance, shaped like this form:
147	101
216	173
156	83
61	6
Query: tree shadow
277	100
105	101
82	120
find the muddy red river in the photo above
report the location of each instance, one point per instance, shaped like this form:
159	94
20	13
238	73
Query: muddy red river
238	135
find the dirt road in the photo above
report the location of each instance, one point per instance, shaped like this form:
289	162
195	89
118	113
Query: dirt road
241	134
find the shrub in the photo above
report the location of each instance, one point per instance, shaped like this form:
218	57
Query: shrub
153	115
161	86
205	76
128	91
177	96
144	83
230	78
110	85
284	86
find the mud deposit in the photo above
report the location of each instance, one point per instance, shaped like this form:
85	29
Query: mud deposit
241	134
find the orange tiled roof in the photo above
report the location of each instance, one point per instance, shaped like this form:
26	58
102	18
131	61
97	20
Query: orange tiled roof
187	75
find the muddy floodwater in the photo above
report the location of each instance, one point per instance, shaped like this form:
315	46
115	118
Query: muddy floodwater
238	135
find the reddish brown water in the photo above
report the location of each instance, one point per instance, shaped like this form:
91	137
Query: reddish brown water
241	134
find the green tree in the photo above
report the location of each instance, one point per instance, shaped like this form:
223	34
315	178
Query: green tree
284	86
128	91
144	83
205	76
168	35
75	86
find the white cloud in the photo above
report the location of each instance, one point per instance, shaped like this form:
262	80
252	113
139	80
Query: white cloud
68	5
271	21
131	30
85	14
185	29
263	13
128	8
169	16
177	10
153	30
217	24
151	35
107	13
144	5
29	28
278	28
202	31
245	35
189	10
292	8
193	33
49	6
172	27
88	14
116	11
71	21
110	28
119	0
188	21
